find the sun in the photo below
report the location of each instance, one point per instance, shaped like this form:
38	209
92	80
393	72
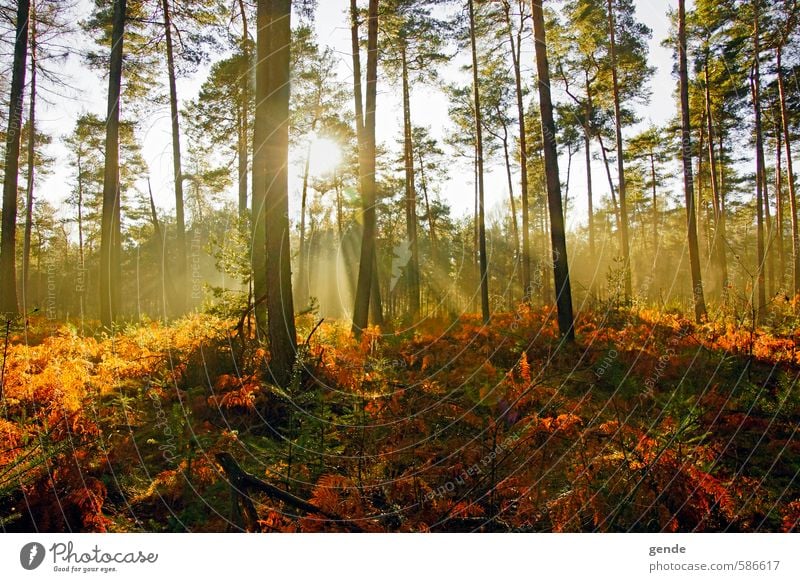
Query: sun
325	155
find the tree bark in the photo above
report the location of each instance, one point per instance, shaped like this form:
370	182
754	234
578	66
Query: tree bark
484	261
8	271
412	268
516	47
623	209
110	230
755	81
787	144
780	209
716	192
280	304
688	180
366	284
259	180
558	237
26	245
244	124
180	221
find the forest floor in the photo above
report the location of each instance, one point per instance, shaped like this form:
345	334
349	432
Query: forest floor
648	423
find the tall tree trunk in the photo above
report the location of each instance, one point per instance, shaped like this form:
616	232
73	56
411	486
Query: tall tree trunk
654	214
180	221
516	47
110	231
781	209
484	261
8	270
769	231
513	205
431	221
587	143
611	187
716	192
244	125
755	82
302	263
623	209
258	248
366	284
26	246
412	268
688	181
787	144
280	305
81	254
557	231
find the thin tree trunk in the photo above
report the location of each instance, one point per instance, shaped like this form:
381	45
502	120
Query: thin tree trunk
412	268
611	187
244	126
180	221
755	82
770	232
779	218
366	285
655	206
484	262
512	202
110	236
623	209
26	247
8	271
302	275
557	231
82	286
516	47
431	220
787	143
259	181
280	304
688	181
716	193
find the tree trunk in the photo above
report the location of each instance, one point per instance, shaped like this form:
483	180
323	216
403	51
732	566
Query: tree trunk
180	222
8	271
716	193
512	202
280	305
26	246
81	254
259	181
780	210
787	144
366	285
769	247
484	262
654	214
302	275
244	124
623	209
110	231
755	81
557	231
611	188
516	47
688	181
412	268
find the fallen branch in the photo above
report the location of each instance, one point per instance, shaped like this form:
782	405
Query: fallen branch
241	481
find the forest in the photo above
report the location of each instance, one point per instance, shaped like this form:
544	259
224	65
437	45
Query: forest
399	266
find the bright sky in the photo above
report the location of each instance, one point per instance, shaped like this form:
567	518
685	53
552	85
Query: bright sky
429	107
